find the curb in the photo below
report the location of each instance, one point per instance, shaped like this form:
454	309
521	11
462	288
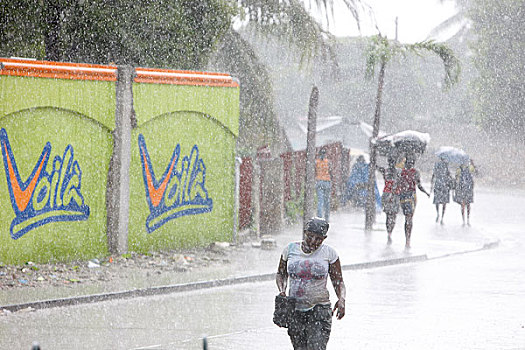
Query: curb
388	262
178	288
486	246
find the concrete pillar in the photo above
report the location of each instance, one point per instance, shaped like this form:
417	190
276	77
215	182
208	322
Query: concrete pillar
238	162
256	198
118	175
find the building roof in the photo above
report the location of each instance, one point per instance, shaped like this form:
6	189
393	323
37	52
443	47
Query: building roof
329	130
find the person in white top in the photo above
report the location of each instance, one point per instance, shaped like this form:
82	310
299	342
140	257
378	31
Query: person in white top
306	265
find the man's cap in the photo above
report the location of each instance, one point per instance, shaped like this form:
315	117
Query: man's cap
318	226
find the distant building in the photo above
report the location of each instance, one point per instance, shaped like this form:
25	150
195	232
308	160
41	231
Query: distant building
353	135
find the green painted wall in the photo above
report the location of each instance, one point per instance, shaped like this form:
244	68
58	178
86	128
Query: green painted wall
153	100
39	115
37	111
94	99
183	119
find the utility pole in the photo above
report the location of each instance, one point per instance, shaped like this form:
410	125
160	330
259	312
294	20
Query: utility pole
309	182
370	206
396	28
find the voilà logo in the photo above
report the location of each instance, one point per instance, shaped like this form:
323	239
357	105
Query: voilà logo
47	195
180	191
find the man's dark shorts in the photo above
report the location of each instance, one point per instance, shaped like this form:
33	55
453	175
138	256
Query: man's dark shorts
408	202
311	329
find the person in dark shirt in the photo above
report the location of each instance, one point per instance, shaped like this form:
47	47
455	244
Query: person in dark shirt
441	184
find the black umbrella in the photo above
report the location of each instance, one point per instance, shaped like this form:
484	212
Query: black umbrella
408	142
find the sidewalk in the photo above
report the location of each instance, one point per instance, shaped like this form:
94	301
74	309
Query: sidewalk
245	263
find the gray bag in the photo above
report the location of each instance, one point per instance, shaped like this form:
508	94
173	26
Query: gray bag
284	309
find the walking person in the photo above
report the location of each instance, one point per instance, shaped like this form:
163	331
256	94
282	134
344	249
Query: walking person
441	184
464	194
307	265
357	184
409	179
390	197
323	184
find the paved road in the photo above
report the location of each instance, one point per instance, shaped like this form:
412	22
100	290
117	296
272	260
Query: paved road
471	301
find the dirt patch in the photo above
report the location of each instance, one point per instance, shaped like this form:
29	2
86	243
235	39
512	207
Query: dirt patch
32	275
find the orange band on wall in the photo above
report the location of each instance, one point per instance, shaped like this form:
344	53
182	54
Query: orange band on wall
82	71
181	77
57	70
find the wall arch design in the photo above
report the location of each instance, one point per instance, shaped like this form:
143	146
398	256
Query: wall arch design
181	146
57	159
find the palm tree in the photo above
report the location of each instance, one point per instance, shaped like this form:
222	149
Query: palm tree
291	24
380	52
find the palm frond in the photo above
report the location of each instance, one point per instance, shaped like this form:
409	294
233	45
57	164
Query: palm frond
450	61
235	55
381	49
290	22
457	19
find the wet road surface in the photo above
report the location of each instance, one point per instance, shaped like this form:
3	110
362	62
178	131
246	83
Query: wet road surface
471	301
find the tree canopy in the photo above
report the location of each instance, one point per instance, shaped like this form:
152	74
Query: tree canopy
499	51
174	33
177	34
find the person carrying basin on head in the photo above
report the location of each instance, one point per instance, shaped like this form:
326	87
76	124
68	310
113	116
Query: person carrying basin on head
409	179
390	197
307	265
323	184
441	184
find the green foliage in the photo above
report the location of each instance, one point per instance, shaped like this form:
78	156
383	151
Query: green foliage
291	23
498	56
177	33
172	33
450	62
20	30
294	209
381	49
164	33
236	56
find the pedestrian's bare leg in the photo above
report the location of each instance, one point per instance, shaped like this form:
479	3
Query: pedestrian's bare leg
443	212
390	223
463	212
437	212
408	229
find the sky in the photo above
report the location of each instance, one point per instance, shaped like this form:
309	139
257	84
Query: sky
416	18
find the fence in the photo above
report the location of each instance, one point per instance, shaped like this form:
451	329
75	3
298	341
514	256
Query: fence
280	183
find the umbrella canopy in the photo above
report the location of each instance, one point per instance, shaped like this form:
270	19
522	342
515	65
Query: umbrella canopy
452	154
404	142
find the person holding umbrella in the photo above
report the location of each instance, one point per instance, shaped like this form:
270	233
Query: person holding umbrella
410	178
464	194
441	183
464	184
